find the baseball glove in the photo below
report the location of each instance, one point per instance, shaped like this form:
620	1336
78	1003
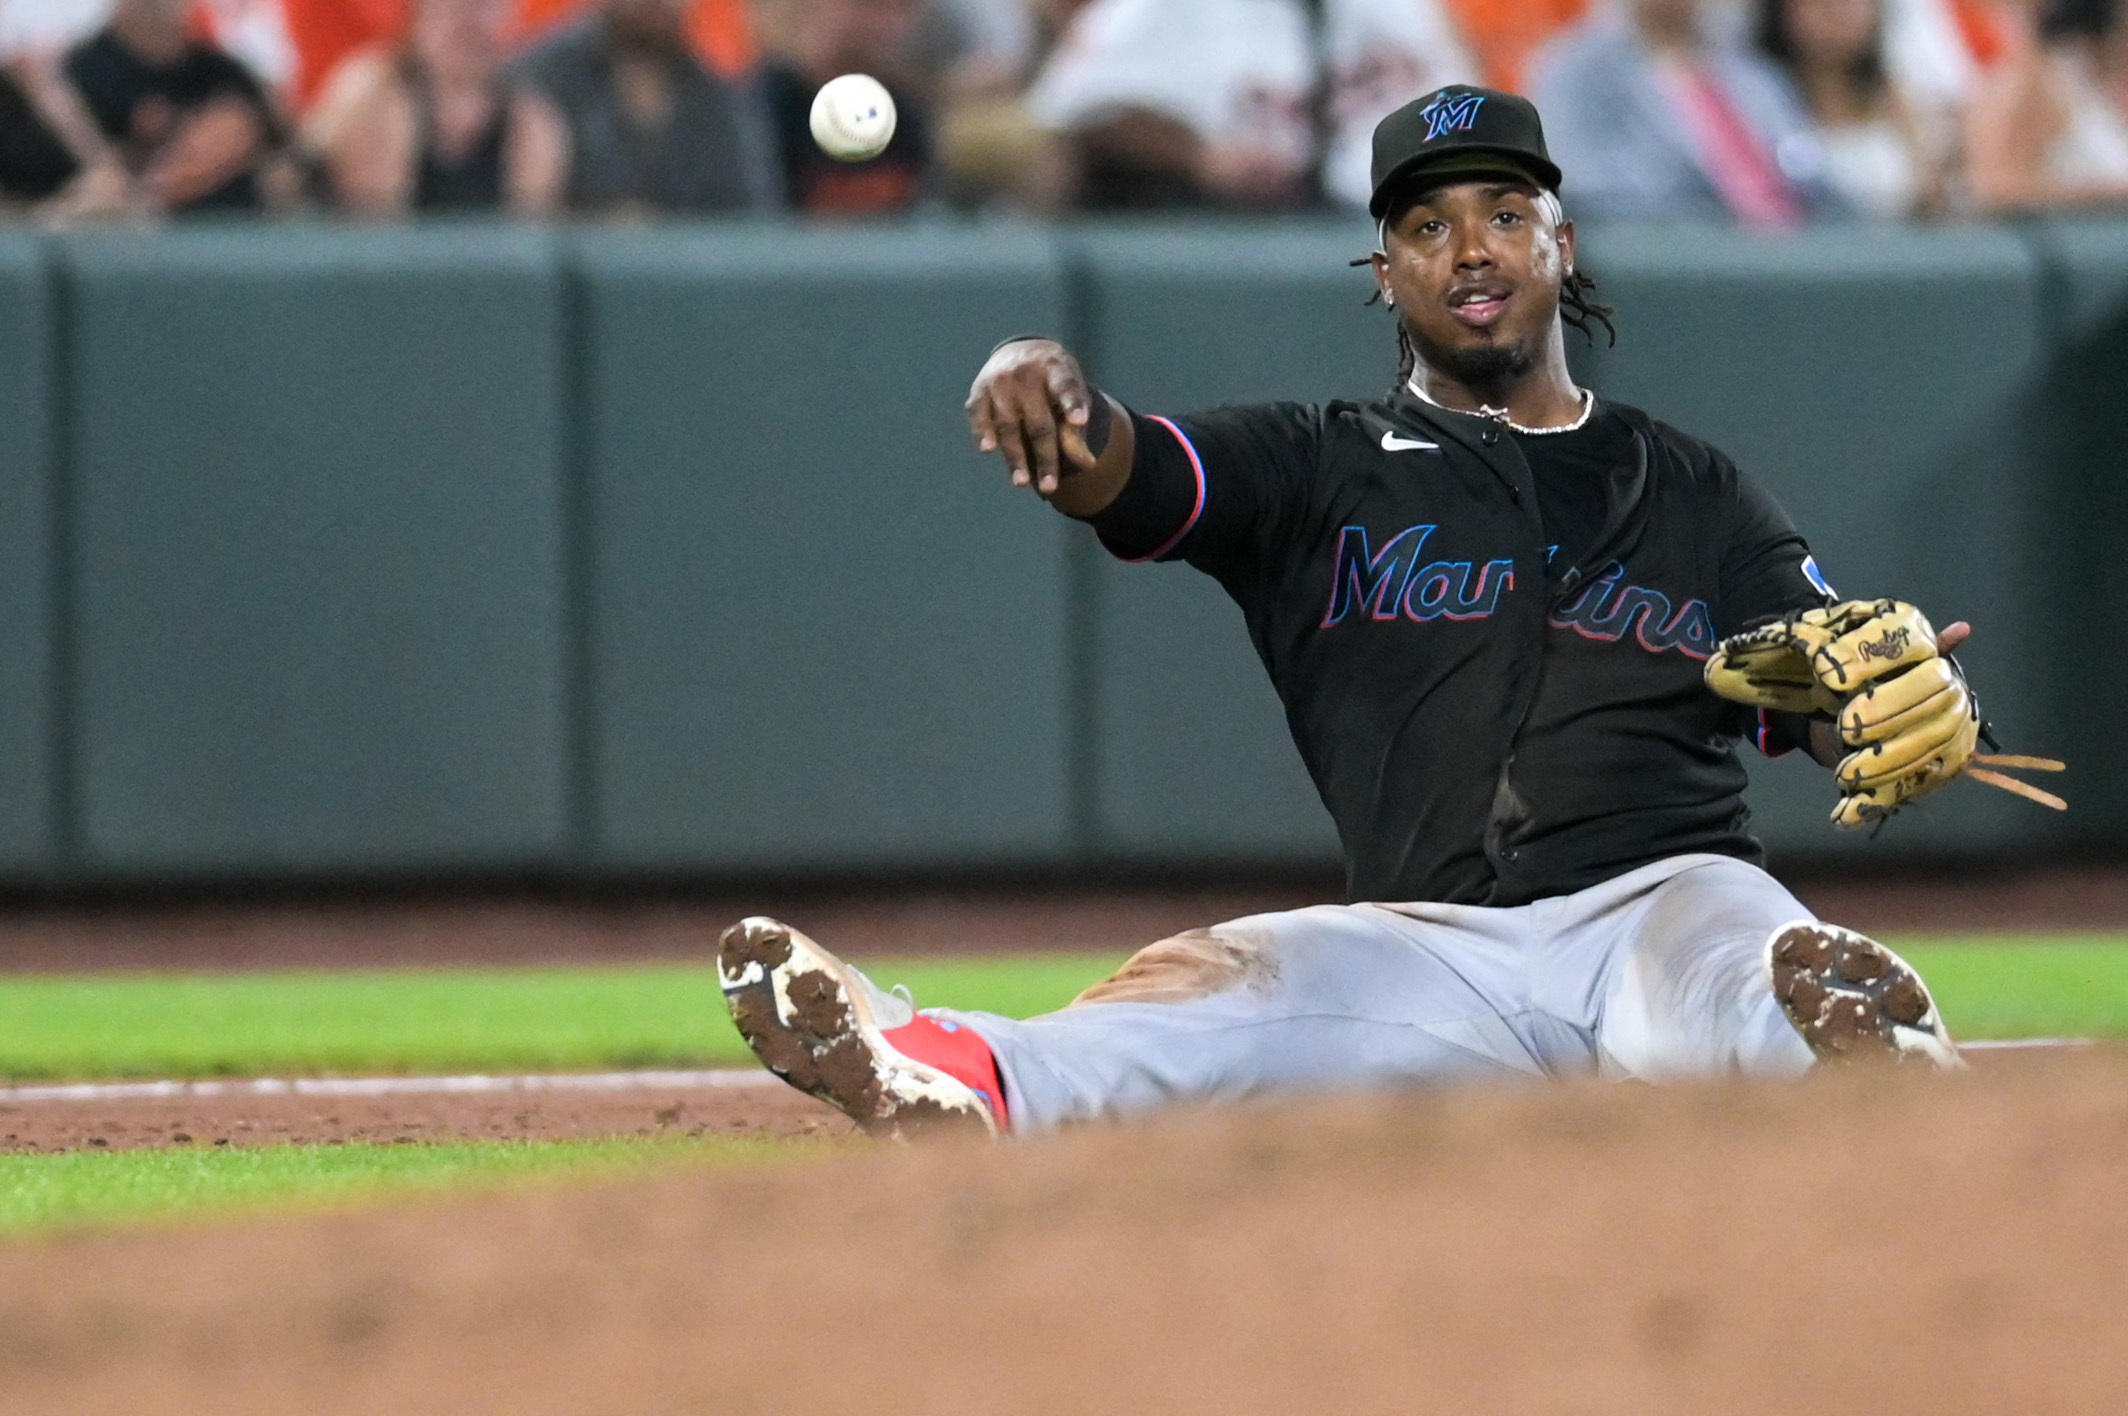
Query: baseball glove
1900	706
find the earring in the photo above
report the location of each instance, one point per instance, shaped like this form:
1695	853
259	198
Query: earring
1389	300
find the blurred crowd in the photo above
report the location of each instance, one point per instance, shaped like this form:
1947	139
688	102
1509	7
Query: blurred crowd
1764	113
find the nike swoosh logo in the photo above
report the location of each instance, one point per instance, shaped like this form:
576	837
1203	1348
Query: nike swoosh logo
1392	443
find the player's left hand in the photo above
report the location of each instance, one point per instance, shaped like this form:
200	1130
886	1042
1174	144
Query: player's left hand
1900	704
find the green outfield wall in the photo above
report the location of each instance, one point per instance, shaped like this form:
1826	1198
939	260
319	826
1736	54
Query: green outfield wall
407	556
33	768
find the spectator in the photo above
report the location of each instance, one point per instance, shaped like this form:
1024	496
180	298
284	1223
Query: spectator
326	33
1881	156
1930	61
990	150
321	33
1381	54
1653	121
2111	58
52	159
189	124
1171	103
2043	129
35	161
649	128
987	44
721	32
823	38
1503	34
255	34
437	125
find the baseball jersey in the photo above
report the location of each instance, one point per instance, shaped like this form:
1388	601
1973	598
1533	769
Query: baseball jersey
1494	709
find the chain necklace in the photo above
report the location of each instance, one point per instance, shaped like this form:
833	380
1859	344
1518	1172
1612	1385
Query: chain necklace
1499	415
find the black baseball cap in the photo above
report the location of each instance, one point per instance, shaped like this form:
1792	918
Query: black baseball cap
1460	131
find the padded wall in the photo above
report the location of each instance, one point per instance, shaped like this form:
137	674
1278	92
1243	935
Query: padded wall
2082	433
29	827
474	548
825	633
318	551
1191	753
1879	385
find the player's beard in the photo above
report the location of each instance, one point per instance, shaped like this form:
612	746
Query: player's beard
1485	369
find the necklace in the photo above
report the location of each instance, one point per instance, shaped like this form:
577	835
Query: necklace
1499	415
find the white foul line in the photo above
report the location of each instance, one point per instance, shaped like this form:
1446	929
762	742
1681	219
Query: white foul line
718	1079
715	1079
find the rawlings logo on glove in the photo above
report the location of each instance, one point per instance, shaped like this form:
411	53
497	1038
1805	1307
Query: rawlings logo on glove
1901	706
1892	647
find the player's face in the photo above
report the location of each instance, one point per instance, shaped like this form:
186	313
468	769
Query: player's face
1475	270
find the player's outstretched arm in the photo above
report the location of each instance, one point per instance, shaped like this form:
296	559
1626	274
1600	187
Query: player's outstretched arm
1071	443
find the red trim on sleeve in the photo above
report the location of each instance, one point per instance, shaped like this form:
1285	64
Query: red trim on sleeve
1764	733
1197	467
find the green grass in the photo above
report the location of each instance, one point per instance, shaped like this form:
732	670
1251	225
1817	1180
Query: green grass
2002	986
79	1188
556	1018
190	1025
655	1016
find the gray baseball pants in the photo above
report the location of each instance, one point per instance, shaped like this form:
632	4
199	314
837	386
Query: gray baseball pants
1658	973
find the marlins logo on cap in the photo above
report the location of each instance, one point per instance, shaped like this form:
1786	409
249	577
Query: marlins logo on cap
1464	132
1451	112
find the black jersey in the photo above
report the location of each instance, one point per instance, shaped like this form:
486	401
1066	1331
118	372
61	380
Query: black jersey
1571	471
1493	711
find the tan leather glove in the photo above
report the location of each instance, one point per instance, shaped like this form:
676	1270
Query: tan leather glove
1903	708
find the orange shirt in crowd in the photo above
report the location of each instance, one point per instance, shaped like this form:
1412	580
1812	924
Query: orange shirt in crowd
722	30
326	31
1503	33
1981	29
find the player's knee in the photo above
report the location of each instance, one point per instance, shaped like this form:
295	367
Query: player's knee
1196	964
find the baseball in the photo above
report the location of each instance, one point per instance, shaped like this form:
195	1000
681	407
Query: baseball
853	117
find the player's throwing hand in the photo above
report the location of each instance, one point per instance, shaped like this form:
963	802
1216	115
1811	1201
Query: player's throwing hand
1071	443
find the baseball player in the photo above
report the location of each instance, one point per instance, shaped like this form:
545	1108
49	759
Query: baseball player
1518	631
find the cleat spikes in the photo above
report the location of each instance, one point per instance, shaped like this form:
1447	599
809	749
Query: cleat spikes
815	1022
1853	1000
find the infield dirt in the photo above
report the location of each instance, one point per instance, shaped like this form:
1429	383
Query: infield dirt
1851	1242
249	1119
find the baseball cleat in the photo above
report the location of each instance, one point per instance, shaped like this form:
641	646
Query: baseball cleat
825	1028
1852	999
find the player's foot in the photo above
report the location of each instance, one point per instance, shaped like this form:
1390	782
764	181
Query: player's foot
1852	999
825	1028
